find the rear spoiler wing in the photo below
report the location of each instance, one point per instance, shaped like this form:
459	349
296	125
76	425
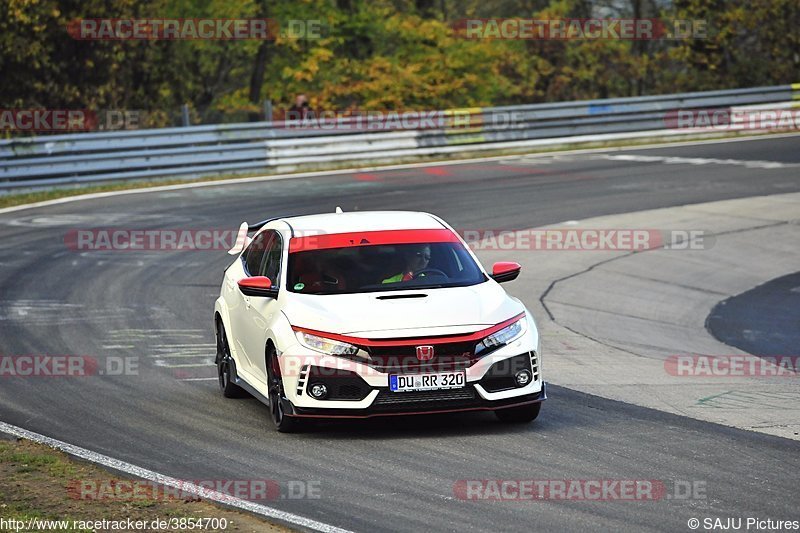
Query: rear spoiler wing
242	237
242	240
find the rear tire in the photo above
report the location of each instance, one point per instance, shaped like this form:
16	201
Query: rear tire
225	366
519	415
283	423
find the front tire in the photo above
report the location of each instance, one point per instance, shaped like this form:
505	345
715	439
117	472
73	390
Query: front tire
225	366
519	415
283	423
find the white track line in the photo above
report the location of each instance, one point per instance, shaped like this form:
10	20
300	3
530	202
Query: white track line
316	173
161	479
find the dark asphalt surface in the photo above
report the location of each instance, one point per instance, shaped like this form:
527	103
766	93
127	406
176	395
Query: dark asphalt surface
373	475
763	321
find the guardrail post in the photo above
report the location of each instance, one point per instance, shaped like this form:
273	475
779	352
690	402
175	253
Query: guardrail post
185	110
268	110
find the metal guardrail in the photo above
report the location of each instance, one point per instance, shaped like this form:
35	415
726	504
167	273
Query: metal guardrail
263	146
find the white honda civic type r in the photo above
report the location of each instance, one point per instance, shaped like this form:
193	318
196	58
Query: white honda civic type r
355	315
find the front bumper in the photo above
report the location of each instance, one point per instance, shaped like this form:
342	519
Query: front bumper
359	390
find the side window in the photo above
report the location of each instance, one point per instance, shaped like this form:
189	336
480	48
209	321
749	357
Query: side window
254	256
271	267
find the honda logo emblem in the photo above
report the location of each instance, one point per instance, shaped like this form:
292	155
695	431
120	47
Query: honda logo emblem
424	353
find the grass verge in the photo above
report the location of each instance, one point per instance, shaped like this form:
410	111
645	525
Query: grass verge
39	483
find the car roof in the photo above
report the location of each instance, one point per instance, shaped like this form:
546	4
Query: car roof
362	221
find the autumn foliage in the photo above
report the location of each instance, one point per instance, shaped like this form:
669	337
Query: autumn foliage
379	54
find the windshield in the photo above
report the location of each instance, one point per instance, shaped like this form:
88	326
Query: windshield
382	268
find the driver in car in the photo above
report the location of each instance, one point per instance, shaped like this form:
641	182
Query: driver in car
417	259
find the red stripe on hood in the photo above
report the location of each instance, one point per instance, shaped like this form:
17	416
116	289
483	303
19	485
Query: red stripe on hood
466	337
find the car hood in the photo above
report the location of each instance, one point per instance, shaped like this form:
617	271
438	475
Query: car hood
439	312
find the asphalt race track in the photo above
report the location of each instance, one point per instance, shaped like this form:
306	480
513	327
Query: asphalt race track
747	321
375	475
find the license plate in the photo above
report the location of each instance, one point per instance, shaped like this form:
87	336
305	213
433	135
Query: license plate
417	382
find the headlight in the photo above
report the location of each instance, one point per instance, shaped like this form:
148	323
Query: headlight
504	336
322	344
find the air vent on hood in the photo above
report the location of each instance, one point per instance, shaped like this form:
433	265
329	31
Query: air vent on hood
401	296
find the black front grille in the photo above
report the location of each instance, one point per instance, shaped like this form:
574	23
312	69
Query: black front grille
450	349
341	384
350	392
426	400
498	384
448	356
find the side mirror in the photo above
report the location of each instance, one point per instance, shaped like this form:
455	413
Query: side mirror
505	271
258	286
